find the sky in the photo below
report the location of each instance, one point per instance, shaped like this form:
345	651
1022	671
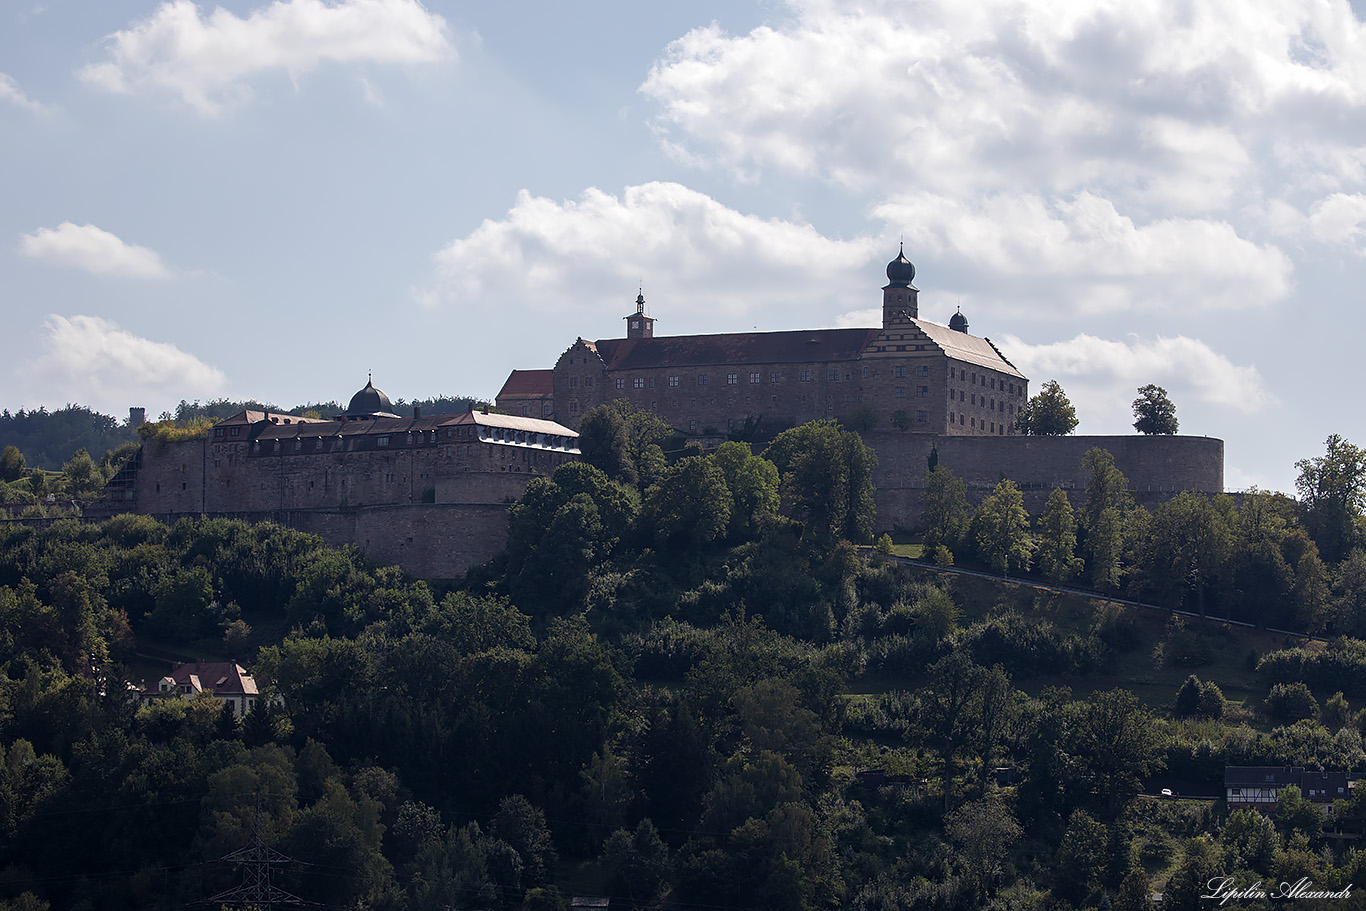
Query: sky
270	200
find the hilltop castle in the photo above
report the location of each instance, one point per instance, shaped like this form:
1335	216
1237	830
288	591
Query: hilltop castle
912	374
431	493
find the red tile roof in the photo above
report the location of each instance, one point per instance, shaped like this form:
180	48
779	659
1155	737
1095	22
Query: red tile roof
528	382
222	678
806	346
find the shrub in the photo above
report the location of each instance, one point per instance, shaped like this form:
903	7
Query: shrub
1291	702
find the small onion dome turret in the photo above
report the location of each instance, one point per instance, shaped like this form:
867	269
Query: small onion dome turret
958	322
370	401
900	271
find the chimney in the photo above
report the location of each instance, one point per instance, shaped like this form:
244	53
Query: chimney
417	412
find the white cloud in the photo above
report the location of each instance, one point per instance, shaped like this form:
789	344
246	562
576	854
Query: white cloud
1155	138
96	251
12	94
1340	219
1100	375
91	360
1162	98
585	254
1079	254
206	60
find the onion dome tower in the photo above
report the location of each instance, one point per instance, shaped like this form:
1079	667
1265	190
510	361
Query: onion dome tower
900	298
369	403
958	322
638	325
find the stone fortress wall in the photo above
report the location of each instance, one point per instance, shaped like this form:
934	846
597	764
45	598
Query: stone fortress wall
1158	467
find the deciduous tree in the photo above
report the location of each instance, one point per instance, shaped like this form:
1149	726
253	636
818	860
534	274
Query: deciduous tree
1153	412
1047	414
1332	491
1003	529
1056	554
944	509
828	479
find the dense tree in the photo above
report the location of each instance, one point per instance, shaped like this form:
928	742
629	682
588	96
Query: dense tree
1154	413
1103	519
827	477
1047	414
11	464
690	507
623	441
1056	554
1332	491
1121	746
944	511
983	832
50	438
753	484
1186	544
947	710
1003	529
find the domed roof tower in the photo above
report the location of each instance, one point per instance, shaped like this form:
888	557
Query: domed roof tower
900	298
958	322
369	403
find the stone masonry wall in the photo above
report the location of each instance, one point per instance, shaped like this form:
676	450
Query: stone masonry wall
1158	467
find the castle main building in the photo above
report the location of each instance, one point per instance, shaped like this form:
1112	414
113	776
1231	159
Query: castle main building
913	374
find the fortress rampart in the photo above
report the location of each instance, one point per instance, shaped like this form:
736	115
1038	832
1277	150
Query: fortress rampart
1158	467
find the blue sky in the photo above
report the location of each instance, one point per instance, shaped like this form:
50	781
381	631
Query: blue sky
269	200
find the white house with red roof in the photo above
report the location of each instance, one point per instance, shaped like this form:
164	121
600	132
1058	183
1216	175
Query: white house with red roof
226	681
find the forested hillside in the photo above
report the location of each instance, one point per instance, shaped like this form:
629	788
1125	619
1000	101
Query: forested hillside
667	688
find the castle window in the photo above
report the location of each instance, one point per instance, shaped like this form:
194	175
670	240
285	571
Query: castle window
901	392
573	407
899	372
298	445
673	381
732	379
922	417
692	425
922	391
754	377
834	376
865	373
701	379
218	432
730	423
639	382
953	418
588	381
962	375
382	441
652	382
922	370
526	411
775	376
974	423
621	382
232	431
806	376
547	408
573	381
